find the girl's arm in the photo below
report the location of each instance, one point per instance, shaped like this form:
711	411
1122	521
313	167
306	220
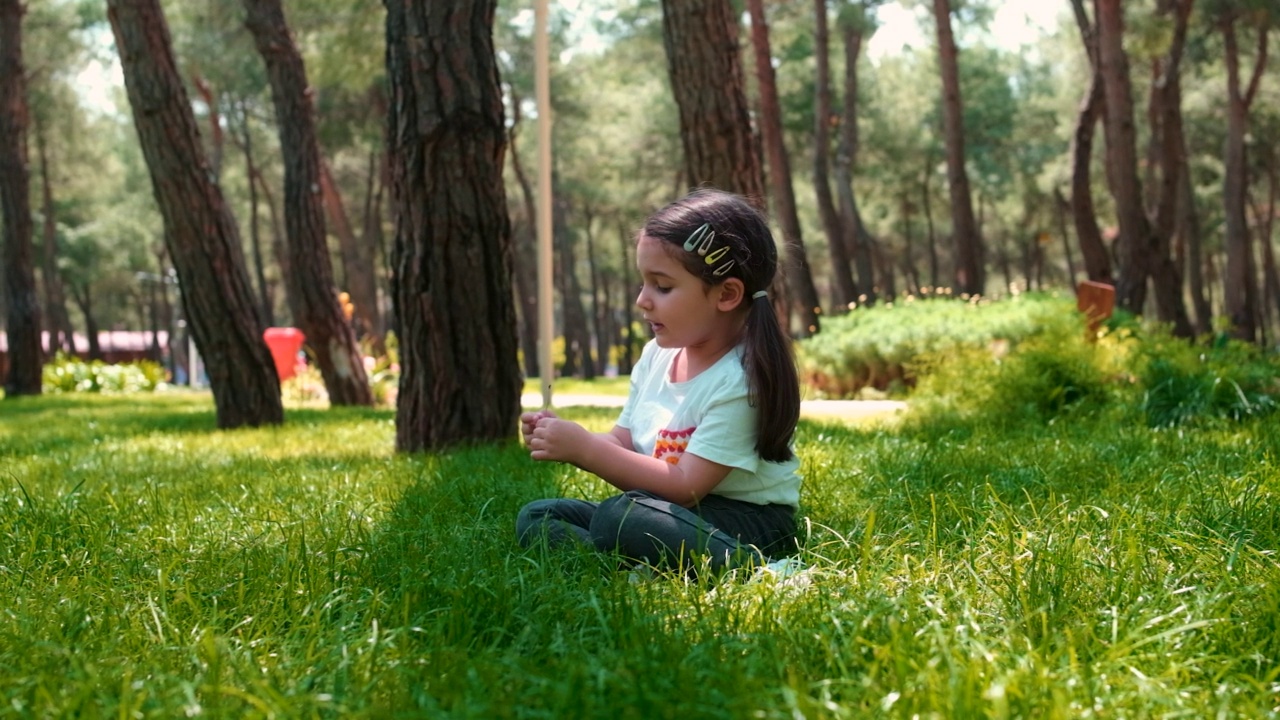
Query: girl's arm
619	465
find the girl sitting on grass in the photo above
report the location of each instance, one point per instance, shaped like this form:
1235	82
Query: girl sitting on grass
702	450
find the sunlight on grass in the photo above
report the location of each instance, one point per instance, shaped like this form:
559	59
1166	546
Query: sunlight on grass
152	566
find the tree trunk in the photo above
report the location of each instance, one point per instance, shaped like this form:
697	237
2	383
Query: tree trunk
599	298
83	297
1240	284
1133	244
1165	155
526	252
203	240
357	257
1270	274
57	320
968	244
1063	208
1188	229
577	337
26	365
931	233
1097	260
843	290
266	312
310	286
627	360
701	40
798	271
460	380
863	246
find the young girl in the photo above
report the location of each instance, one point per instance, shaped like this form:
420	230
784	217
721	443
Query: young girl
702	449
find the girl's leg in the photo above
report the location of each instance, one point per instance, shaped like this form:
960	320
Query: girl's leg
730	533
560	521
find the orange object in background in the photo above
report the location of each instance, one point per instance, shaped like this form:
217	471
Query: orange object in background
1096	300
284	344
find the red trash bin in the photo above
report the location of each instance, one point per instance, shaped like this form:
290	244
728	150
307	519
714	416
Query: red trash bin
284	344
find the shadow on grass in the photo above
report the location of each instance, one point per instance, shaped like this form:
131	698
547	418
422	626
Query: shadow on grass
55	423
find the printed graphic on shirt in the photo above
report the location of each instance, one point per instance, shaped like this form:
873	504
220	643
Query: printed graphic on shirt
671	444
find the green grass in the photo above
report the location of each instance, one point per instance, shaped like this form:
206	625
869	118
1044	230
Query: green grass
151	566
617	386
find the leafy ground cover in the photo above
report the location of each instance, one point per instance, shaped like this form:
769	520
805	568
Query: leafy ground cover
1087	566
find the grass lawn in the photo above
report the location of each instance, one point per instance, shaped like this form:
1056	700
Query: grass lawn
617	386
151	566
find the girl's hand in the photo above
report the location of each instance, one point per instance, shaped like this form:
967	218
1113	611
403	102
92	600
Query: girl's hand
529	420
556	439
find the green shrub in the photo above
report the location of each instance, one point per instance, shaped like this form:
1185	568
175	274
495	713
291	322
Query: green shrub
1226	379
1052	373
66	374
877	347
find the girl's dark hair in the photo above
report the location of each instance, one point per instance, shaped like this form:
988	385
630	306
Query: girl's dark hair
772	382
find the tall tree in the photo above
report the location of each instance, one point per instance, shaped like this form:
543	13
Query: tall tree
202	237
843	290
964	227
855	25
701	38
460	380
799	275
23	317
57	320
1240	281
1132	246
311	293
1097	260
1167	156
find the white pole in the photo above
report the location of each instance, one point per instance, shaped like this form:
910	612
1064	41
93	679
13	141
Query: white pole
542	84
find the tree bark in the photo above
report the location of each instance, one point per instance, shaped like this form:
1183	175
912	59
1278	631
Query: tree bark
357	258
968	244
577	338
1240	283
310	286
863	246
84	300
1097	259
26	365
701	40
1166	153
57	319
799	273
202	237
216	138
526	251
460	380
1133	245
844	291
266	312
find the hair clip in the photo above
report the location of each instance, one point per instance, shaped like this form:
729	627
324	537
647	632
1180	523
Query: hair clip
700	240
722	269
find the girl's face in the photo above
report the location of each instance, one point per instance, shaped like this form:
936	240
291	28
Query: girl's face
681	310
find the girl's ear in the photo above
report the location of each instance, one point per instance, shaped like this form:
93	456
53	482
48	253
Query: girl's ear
730	294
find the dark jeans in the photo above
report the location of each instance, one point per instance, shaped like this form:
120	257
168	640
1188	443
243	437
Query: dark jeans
643	526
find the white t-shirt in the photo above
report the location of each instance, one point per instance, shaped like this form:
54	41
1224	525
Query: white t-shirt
708	416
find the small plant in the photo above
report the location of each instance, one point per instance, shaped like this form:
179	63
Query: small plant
67	374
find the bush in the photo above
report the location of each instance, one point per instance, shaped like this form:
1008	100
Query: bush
877	347
1226	379
1054	372
65	374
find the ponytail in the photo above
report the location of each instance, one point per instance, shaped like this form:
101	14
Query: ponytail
773	386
